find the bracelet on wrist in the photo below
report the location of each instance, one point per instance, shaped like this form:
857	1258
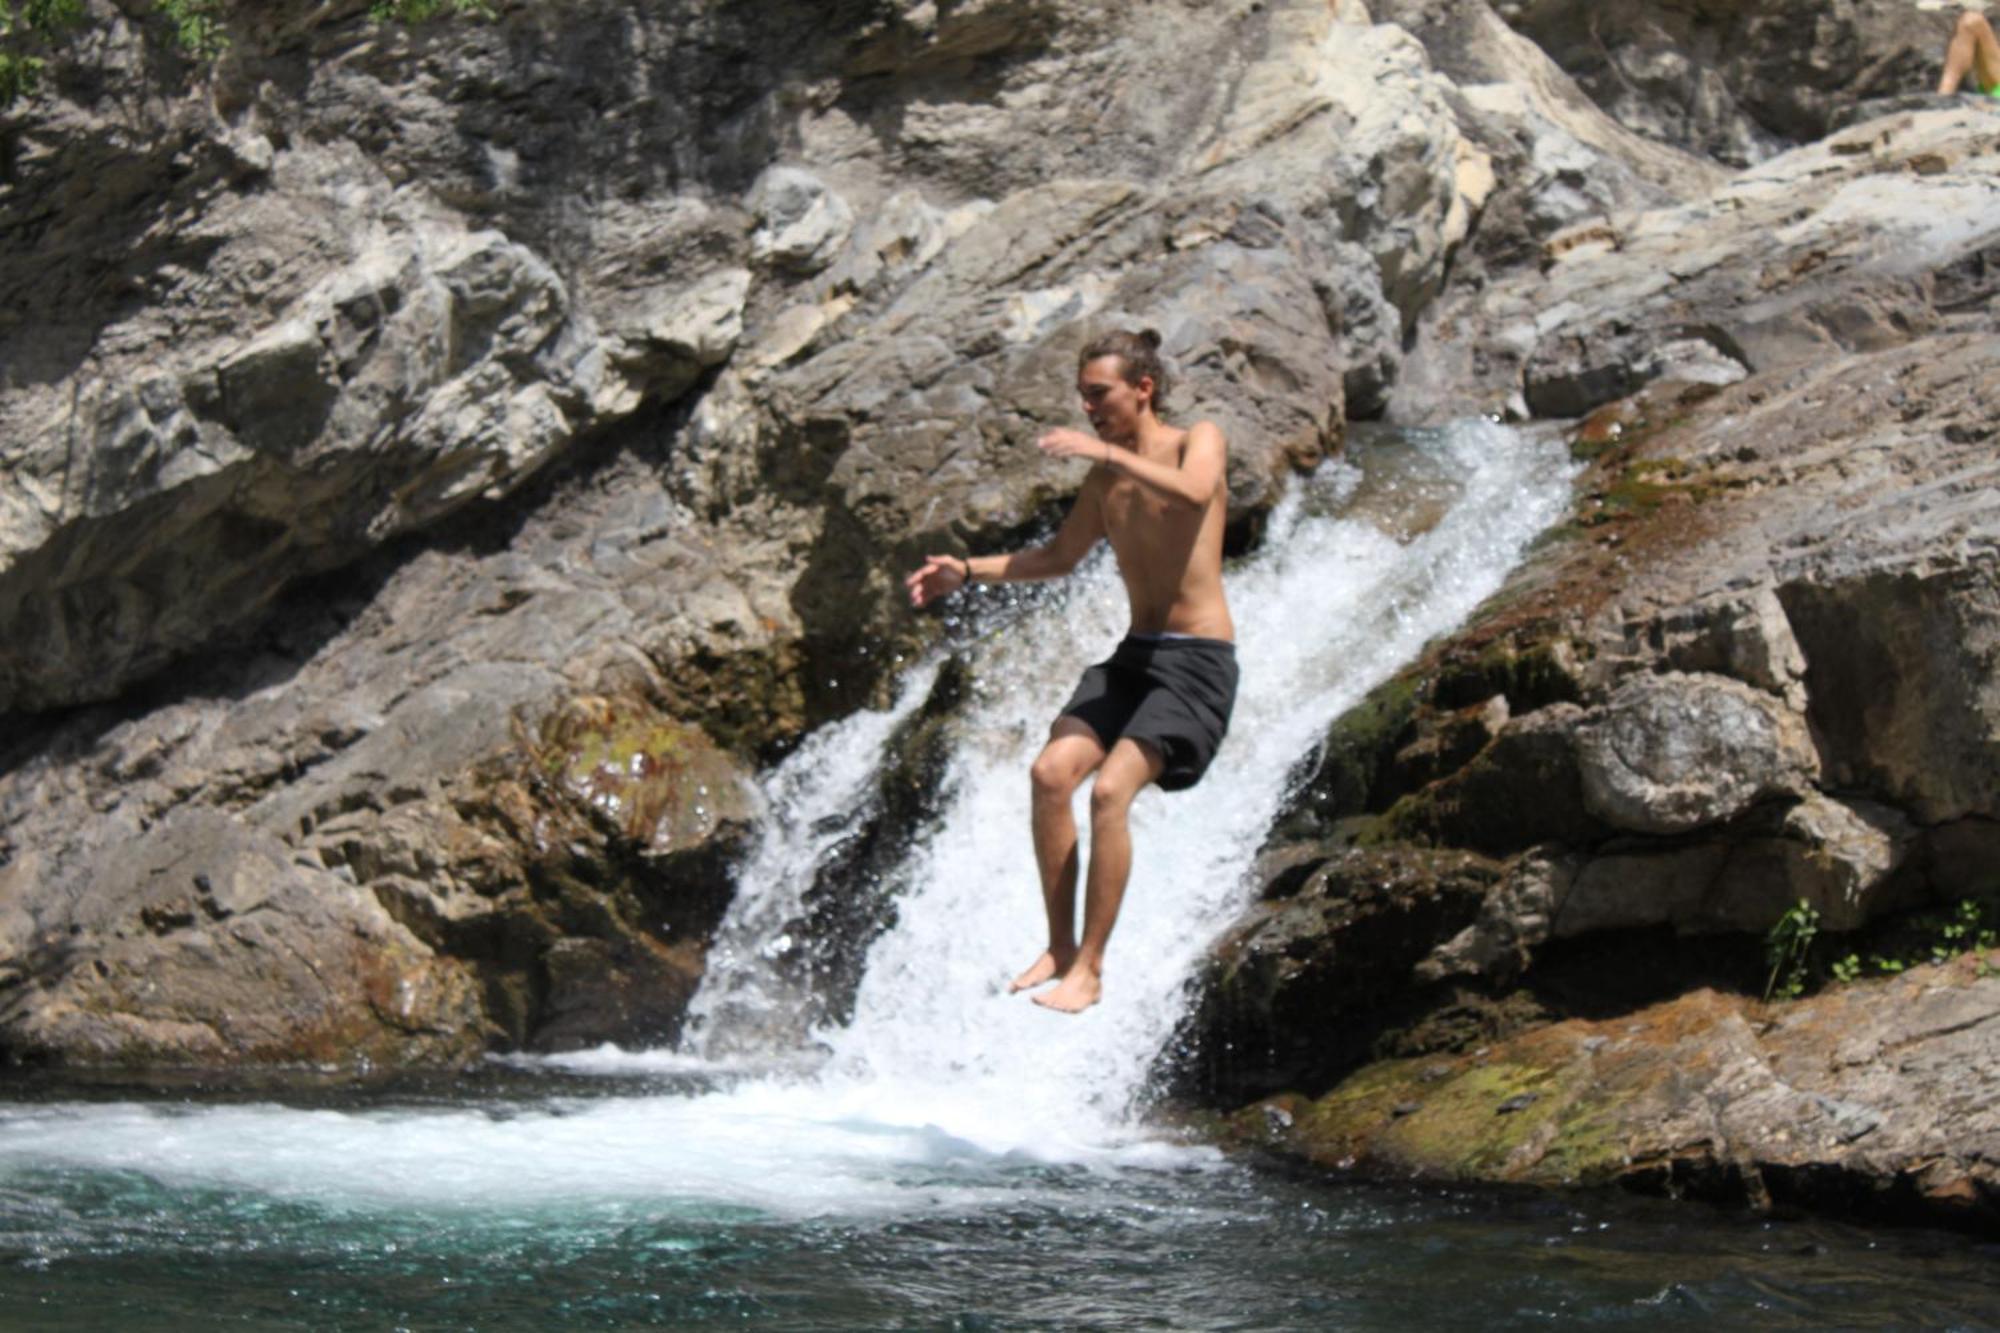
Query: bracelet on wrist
968	569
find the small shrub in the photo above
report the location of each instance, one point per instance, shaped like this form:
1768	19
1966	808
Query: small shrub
1786	949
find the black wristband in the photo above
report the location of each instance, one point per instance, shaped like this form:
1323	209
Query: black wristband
968	570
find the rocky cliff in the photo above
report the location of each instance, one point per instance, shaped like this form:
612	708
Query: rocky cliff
377	395
442	462
1753	676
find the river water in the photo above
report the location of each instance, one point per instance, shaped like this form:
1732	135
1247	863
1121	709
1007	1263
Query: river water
950	1156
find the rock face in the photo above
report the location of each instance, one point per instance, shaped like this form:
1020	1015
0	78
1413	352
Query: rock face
1733	80
1869	1099
410	290
1860	242
1752	670
361	415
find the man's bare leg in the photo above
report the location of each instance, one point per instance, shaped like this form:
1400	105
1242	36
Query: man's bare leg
1072	754
1973	50
1125	771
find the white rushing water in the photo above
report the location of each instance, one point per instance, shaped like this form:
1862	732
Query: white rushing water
942	1083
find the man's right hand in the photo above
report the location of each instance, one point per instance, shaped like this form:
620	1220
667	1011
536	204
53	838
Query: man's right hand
941	576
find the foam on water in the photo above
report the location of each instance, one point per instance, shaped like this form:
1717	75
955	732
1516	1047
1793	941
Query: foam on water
943	1091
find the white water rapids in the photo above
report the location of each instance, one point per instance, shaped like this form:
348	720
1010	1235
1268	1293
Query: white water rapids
941	1083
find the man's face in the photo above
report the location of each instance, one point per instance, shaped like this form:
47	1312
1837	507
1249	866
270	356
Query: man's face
1113	406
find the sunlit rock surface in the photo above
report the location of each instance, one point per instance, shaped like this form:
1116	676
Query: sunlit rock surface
1870	1099
439	465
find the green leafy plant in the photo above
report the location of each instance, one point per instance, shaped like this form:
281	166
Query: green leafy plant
417	11
25	30
197	25
1969	926
1786	949
29	28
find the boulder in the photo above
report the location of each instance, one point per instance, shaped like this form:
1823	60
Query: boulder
208	944
1674	752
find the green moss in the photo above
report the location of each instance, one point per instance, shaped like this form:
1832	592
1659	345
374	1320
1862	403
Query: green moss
1589	446
1589	1146
1413	818
1360	744
1553	1129
1530	677
1645	484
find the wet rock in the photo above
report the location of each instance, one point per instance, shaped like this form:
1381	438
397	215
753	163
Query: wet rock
1521	790
1515	917
1306	984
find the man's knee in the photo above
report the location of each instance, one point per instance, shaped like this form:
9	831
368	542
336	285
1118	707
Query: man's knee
1054	776
1974	22
1111	796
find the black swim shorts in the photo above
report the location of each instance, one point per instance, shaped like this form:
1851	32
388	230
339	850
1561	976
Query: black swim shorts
1173	693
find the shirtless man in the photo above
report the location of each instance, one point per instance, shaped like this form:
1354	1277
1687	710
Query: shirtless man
1156	710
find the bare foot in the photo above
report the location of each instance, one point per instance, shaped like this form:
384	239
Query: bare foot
1081	987
1040	972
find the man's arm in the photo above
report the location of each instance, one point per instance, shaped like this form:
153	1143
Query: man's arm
1081	529
1193	483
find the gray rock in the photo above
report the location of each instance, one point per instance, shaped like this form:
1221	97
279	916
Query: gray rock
1701	1096
205	943
1738	81
1842	859
1674	752
1903	692
801	224
1619	890
1770	271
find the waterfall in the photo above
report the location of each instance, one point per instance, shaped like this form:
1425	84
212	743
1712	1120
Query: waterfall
1357	572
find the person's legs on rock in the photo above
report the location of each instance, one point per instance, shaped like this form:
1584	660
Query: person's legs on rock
1973	50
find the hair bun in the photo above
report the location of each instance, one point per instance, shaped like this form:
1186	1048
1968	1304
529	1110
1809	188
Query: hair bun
1150	337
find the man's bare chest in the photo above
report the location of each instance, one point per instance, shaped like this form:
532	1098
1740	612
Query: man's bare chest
1136	519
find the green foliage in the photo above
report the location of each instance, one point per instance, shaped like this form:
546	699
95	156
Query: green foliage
44	16
197	25
24	31
1786	948
29	28
19	74
1938	936
418	11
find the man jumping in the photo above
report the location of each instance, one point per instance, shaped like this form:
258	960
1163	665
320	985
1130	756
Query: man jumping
1158	708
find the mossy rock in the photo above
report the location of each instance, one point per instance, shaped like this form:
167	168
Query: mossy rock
659	783
1350	773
